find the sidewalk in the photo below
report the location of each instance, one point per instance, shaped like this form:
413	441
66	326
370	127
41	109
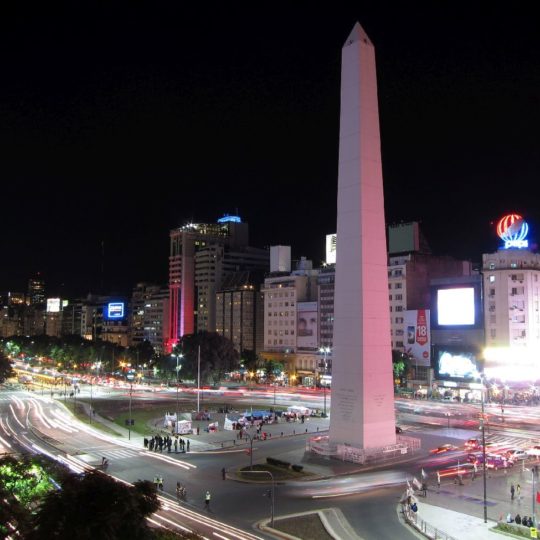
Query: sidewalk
456	524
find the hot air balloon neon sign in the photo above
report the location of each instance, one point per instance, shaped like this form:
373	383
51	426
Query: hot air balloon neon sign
513	229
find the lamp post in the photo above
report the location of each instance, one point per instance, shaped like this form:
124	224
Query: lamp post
129	421
272	498
250	437
178	356
325	351
199	379
484	450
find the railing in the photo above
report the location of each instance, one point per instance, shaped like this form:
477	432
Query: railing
414	520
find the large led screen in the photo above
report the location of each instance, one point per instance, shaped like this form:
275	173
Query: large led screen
456	307
454	364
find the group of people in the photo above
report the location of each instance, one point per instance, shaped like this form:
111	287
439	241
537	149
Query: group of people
159	443
518	520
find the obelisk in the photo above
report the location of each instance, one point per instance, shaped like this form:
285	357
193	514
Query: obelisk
362	413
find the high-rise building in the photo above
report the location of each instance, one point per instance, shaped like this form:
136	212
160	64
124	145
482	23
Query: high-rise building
240	310
326	283
201	255
36	291
149	315
511	283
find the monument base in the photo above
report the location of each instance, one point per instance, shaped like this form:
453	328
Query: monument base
321	446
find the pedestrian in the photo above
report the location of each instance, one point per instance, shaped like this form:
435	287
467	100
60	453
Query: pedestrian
424	489
512	492
518	490
438	481
161	483
176	446
156	482
223	473
207	498
188	445
145	442
517	519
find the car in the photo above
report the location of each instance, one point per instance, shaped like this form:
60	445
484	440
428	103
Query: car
533	451
473	444
463	469
493	461
444	448
516	455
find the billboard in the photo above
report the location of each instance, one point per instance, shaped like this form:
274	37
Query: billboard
417	340
512	230
307	326
456	307
53	305
458	363
115	310
331	246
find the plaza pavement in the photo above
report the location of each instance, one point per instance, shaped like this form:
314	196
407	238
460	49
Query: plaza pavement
456	511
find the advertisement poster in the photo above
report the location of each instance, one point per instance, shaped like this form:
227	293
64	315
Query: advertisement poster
417	336
307	326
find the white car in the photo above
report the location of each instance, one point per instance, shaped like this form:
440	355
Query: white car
517	455
533	451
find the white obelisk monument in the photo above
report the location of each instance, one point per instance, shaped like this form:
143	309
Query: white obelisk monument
362	413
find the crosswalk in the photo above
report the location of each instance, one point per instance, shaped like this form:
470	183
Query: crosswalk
113	453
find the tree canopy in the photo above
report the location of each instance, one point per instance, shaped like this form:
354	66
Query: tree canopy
96	506
23	482
6	371
218	356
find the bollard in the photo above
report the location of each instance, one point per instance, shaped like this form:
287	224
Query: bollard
282	433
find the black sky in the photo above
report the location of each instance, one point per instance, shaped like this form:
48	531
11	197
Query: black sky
119	123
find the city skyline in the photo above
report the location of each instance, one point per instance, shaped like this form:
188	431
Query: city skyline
122	126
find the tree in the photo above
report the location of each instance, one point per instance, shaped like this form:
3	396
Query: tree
96	506
401	362
23	482
218	356
6	370
250	360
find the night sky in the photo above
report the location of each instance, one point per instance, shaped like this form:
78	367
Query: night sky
118	124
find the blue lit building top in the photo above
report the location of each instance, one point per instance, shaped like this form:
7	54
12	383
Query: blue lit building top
230	219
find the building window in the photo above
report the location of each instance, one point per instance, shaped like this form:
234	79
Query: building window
492	279
399	308
399	297
398	286
492	266
399	344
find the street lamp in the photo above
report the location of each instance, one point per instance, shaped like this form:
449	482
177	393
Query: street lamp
325	351
484	448
129	421
250	437
178	356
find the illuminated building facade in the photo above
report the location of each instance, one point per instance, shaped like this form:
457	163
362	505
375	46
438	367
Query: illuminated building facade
511	278
240	311
149	315
36	291
201	256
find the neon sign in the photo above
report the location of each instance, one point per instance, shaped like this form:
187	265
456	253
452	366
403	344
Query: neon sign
115	310
513	229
